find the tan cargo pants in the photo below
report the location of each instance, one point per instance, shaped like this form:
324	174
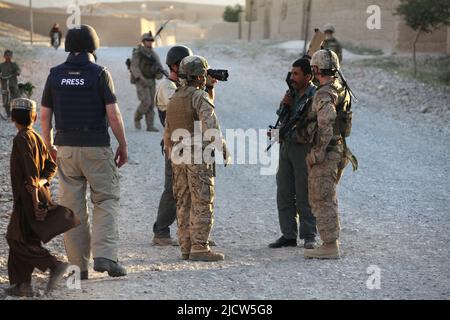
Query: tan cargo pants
77	167
193	187
322	183
146	95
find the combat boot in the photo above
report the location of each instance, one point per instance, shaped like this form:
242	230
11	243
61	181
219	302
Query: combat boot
325	251
113	268
163	242
206	256
185	256
137	121
152	129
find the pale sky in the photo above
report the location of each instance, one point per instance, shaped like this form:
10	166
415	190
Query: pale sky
60	3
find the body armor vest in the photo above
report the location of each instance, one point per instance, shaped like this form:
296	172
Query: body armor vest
77	103
147	64
180	113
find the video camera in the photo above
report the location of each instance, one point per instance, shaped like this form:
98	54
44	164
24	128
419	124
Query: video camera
218	74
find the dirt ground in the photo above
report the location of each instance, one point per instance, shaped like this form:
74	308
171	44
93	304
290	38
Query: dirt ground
394	209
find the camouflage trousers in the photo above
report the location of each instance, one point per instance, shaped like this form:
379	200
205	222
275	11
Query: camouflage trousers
193	187
322	183
146	95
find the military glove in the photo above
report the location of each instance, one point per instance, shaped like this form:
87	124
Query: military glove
210	82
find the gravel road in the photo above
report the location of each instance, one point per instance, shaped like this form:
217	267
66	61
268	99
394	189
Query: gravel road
394	209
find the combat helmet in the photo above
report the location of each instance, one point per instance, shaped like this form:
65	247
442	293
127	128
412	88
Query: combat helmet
148	36
176	54
326	59
329	27
83	38
193	66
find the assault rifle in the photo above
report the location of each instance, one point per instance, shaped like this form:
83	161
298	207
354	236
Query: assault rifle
284	111
298	120
158	33
344	82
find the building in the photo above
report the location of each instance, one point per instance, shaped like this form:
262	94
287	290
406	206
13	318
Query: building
291	19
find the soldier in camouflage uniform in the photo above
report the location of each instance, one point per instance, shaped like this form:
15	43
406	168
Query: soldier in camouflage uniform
193	181
167	209
9	71
329	154
331	42
145	68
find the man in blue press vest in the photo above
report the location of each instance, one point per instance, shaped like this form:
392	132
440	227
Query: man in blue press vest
81	96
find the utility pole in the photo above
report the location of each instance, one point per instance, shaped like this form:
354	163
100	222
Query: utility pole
307	17
31	22
250	21
240	25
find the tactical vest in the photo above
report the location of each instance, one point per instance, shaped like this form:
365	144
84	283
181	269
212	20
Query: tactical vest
342	124
147	65
180	113
77	103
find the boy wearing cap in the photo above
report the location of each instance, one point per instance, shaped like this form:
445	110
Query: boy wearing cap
31	170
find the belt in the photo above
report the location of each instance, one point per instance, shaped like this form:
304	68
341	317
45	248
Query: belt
74	130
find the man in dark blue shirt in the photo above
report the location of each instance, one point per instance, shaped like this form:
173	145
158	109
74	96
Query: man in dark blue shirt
80	94
294	213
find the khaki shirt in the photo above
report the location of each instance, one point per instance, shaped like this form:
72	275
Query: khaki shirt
164	92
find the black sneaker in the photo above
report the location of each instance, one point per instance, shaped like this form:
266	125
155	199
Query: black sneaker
113	268
283	242
84	275
310	243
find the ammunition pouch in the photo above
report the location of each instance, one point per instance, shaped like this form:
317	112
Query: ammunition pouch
345	123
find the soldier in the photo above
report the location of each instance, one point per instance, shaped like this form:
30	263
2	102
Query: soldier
292	175
329	154
81	95
167	210
193	181
331	42
145	68
9	71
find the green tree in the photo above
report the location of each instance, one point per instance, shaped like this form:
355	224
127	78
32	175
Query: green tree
231	14
424	16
